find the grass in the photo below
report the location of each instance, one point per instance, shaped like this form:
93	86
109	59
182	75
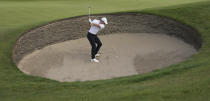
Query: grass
186	81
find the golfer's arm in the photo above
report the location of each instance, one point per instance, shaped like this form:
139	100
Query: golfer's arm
97	25
89	24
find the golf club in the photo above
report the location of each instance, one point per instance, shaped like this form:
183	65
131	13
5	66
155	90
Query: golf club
89	7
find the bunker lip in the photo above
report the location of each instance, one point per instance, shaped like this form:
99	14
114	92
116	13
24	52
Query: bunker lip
77	27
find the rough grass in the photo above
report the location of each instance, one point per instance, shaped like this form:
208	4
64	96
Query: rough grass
187	81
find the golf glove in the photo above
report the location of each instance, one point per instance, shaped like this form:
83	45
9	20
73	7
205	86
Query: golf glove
90	20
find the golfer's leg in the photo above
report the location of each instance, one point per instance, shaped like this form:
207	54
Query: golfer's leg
91	39
99	44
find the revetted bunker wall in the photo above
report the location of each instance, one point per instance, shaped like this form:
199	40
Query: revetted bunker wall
77	27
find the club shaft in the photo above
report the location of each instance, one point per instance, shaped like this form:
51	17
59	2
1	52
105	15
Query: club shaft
89	11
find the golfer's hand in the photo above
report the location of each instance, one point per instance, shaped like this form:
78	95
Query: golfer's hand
90	20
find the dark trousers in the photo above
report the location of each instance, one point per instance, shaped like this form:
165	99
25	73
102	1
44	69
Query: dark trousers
93	39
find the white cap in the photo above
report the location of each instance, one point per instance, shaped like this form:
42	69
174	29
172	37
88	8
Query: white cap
104	20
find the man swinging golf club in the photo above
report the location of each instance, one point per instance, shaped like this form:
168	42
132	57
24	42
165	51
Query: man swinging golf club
95	27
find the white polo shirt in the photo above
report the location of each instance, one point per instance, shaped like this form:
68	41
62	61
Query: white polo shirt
95	29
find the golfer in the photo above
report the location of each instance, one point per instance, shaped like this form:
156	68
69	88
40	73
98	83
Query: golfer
95	42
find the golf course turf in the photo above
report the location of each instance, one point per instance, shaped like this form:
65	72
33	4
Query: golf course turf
186	81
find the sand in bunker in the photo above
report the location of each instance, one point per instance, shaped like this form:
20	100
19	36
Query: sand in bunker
121	55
